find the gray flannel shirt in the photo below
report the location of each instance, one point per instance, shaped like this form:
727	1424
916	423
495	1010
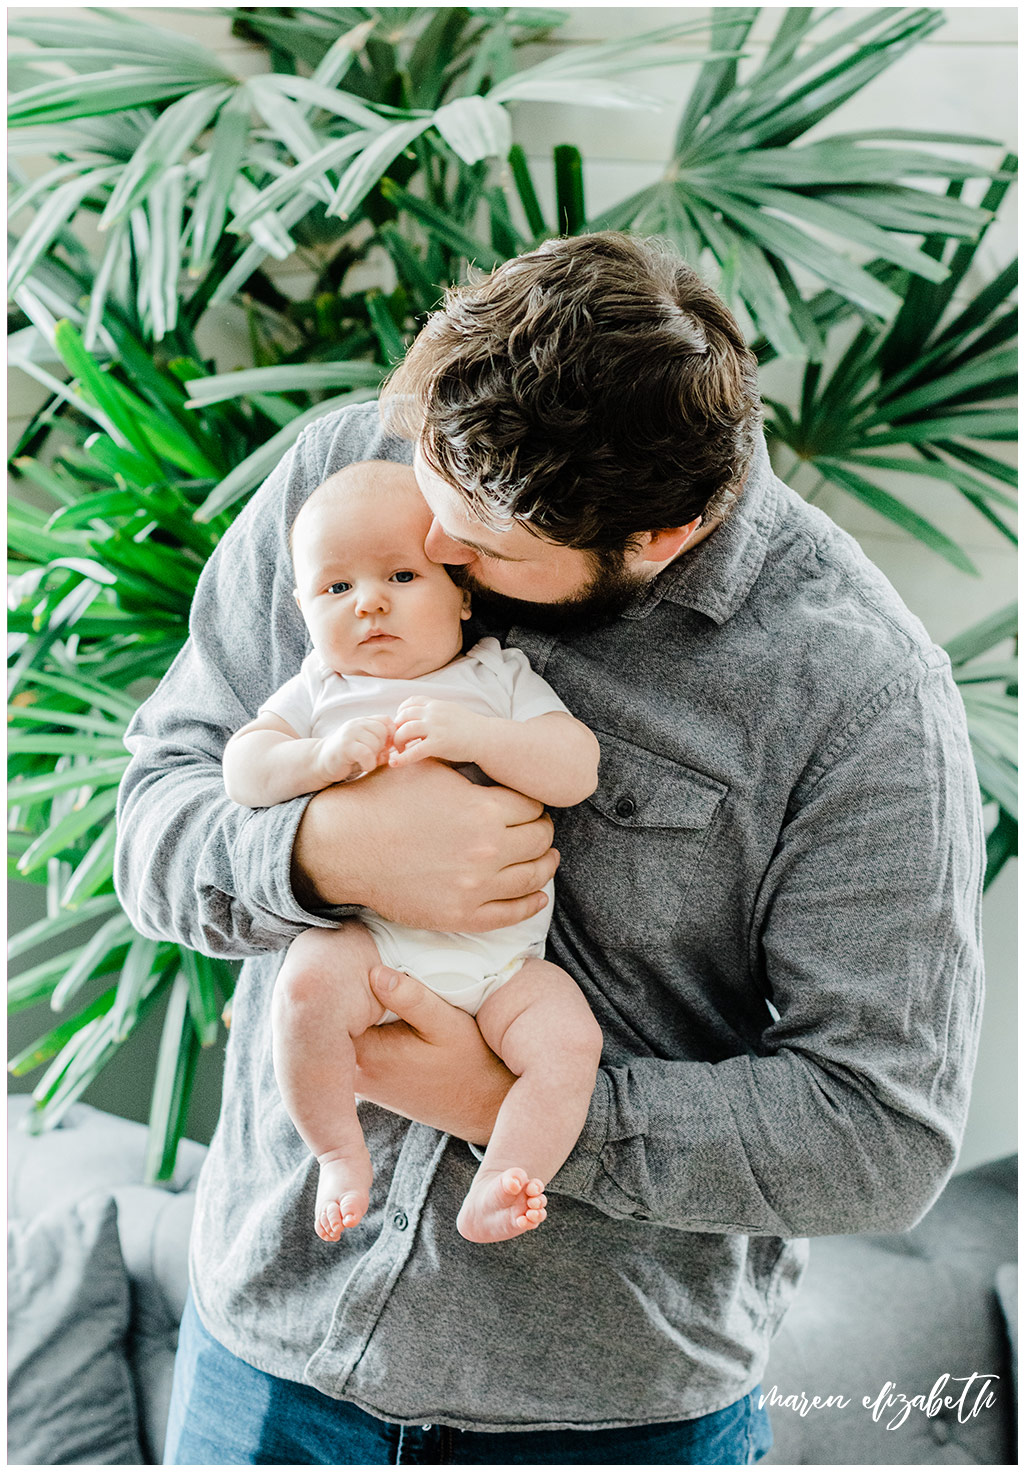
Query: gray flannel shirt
771	902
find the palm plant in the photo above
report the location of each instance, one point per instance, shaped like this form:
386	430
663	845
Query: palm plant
101	593
195	180
737	188
183	164
931	383
380	142
915	396
989	690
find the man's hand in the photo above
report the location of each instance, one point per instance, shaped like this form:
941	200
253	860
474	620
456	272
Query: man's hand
433	1066
424	846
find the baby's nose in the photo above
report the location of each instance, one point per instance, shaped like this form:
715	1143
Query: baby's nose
371	599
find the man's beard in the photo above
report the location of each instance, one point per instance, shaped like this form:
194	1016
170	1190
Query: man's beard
611	588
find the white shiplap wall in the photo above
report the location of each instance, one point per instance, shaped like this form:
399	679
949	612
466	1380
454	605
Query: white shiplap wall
961	80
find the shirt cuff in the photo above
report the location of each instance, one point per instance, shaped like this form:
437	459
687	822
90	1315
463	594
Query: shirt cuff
263	849
580	1172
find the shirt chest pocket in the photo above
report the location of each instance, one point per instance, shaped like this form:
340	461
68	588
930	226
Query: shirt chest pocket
630	852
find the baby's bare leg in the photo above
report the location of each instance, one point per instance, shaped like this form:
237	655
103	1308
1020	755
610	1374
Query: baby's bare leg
540	1025
322	1000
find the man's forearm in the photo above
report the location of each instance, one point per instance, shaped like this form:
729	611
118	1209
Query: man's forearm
713	1148
194	867
424	846
324	862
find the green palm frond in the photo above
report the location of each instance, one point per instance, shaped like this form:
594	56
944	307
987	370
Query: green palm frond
122	532
989	689
738	189
178	158
921	397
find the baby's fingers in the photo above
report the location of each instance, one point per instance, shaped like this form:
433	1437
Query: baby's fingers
409	727
407	730
375	728
415	751
365	755
414	705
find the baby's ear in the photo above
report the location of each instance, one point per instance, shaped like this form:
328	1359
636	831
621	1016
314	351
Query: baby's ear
295	595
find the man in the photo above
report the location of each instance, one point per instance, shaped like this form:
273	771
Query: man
771	902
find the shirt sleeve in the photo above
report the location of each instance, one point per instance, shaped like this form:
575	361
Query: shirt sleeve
528	694
867	942
294	702
190	865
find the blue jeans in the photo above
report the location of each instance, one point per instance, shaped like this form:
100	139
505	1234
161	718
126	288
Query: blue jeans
225	1413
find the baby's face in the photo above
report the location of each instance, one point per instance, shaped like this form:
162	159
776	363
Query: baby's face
373	601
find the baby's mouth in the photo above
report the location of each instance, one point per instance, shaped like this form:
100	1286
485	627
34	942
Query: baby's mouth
377	636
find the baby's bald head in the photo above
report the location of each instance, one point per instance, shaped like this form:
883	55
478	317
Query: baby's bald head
371	479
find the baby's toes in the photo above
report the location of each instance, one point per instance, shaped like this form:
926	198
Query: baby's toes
530	1219
513	1183
328	1225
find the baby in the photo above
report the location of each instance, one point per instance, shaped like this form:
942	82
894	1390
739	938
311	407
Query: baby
387	684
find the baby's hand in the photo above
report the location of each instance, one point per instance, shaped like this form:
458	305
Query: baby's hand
437	728
356	747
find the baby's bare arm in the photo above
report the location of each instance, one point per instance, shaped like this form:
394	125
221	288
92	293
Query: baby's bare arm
552	758
266	762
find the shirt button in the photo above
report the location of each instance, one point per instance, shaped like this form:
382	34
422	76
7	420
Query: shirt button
625	807
399	1221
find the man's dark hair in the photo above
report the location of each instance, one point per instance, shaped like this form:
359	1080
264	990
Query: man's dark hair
594	388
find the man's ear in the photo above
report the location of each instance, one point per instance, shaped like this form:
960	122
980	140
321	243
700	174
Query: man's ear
663	545
466	611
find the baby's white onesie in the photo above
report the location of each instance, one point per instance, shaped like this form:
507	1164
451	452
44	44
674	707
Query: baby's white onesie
464	969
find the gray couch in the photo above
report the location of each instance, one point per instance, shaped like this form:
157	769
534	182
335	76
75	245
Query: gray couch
97	1280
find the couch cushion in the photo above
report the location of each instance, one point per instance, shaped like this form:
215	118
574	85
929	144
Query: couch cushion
70	1395
154	1227
94	1151
902	1310
88	1151
1006	1292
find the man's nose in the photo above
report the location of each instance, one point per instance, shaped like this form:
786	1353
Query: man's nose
440	547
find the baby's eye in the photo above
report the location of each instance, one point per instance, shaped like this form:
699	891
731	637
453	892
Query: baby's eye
405	576
339	587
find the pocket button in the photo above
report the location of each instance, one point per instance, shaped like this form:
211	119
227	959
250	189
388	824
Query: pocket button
625	807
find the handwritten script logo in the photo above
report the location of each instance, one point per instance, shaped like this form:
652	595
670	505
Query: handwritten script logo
975	1396
935	1402
800	1402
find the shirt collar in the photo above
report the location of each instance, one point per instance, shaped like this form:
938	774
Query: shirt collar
718	574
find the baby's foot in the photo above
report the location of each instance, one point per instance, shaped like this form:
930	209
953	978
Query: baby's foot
501	1204
343	1191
